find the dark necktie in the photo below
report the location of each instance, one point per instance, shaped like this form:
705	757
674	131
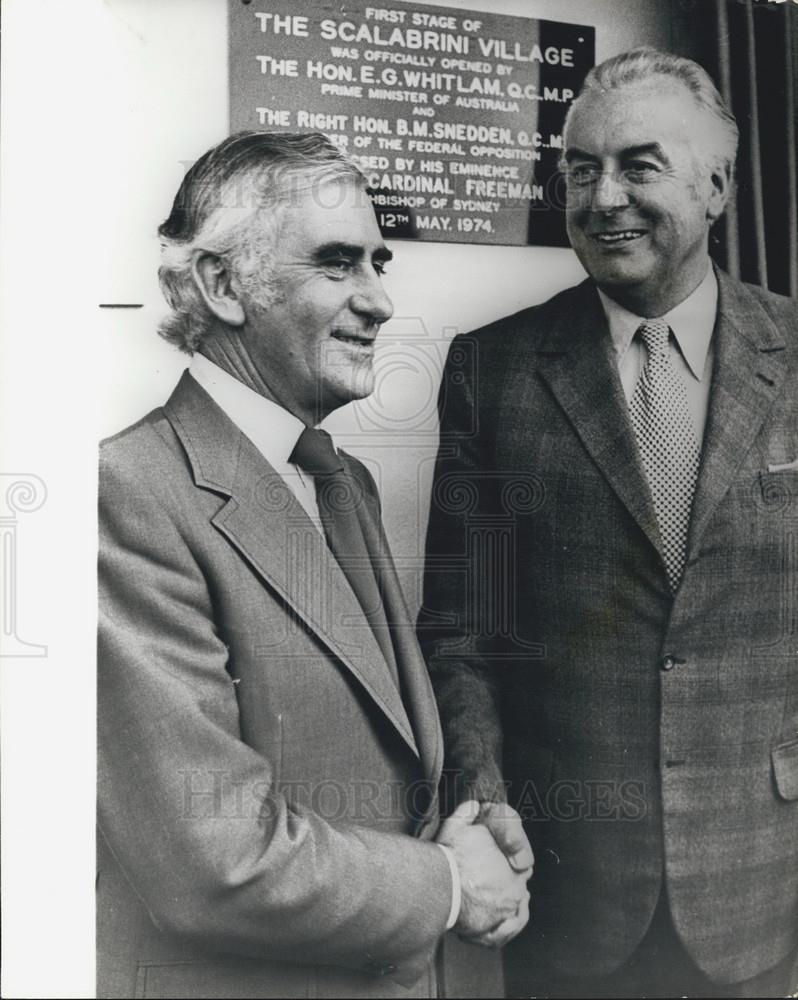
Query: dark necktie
667	443
342	508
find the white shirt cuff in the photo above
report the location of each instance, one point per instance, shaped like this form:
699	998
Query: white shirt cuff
454	913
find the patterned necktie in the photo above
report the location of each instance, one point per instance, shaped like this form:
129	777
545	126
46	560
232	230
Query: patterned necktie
342	507
668	446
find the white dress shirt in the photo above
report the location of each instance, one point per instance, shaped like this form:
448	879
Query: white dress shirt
274	432
271	428
692	323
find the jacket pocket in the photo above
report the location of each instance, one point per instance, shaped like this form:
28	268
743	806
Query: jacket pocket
785	769
223	979
778	490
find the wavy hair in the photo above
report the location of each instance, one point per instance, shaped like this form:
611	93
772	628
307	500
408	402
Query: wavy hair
248	178
641	66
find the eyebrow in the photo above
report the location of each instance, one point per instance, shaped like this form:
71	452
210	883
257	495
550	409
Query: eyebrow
574	153
354	250
644	148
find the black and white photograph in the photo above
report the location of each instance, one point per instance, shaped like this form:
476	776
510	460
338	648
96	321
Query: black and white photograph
400	501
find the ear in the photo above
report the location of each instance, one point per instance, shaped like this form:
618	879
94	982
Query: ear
720	188
212	278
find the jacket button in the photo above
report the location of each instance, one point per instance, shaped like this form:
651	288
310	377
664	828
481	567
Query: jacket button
668	662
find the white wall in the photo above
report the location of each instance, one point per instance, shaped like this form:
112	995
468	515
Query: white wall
169	72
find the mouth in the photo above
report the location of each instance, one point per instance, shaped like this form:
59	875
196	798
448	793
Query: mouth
357	339
618	238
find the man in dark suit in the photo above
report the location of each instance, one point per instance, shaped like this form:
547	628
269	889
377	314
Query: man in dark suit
611	603
269	747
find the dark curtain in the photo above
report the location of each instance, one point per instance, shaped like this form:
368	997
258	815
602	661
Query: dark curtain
750	47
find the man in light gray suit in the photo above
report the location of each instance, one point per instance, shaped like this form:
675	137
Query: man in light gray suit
622	473
269	747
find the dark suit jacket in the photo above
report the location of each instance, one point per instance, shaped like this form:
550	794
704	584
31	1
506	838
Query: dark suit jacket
645	737
264	789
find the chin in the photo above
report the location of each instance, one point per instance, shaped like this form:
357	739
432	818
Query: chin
615	273
361	386
365	390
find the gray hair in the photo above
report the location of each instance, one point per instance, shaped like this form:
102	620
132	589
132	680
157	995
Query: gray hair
643	64
248	177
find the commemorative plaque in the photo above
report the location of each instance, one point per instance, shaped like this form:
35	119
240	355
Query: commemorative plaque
454	116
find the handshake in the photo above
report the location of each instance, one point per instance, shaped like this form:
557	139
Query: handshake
495	861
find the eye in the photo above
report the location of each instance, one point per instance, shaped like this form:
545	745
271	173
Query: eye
380	266
339	266
580	174
640	170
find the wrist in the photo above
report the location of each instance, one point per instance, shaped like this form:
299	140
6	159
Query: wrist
457	891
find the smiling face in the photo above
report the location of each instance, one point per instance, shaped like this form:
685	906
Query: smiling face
310	334
640	194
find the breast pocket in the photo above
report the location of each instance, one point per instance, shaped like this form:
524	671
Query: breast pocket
777	491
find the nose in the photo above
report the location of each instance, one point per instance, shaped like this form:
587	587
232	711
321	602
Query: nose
610	191
370	299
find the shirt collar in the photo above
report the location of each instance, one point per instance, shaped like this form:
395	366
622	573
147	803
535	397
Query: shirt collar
692	323
271	428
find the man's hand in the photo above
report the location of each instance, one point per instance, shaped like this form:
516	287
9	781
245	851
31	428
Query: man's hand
508	832
495	901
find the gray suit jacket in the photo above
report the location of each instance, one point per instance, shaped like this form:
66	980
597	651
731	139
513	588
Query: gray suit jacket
645	738
264	790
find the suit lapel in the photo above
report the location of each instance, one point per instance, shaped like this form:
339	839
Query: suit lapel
750	364
271	530
417	694
577	364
